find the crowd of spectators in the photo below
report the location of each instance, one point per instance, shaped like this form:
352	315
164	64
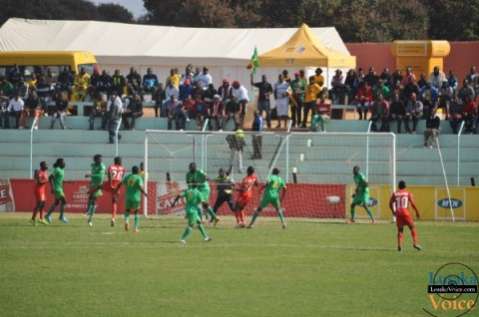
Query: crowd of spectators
191	95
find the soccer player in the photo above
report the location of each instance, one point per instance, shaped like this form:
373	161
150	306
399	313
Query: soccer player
56	182
193	198
41	181
361	194
245	195
271	195
115	172
197	178
224	187
399	204
97	177
134	188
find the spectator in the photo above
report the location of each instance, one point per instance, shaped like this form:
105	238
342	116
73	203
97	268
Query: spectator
15	108
338	92
257	138
134	110
414	110
352	84
159	98
384	90
81	84
174	111
171	90
282	92
105	84
318	78
410	88
456	115
364	99
209	93
310	99
186	89
95	83
445	96
44	91
4	118
99	110
265	91
466	92
66	79
397	79
202	111
429	97
436	78
190	106
204	79
372	78
217	113
181	116
236	144
409	77
422	82
471	77
432	129
397	111
298	87
380	114
225	91
188	73
175	78
7	87
323	113
452	81
118	83
115	109
150	81
239	95
133	82
33	107
470	116
61	105
386	78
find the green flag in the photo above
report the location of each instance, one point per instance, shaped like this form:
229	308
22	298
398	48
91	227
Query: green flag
254	60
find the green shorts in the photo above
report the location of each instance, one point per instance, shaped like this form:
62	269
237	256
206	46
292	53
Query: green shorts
59	194
361	199
273	200
193	216
132	205
205	195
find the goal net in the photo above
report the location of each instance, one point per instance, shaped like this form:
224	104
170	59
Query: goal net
317	167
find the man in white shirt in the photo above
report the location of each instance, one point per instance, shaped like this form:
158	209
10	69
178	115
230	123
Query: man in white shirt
115	109
171	90
240	96
15	108
204	79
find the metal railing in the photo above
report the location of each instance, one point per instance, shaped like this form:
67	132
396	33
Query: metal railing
459	153
117	132
32	128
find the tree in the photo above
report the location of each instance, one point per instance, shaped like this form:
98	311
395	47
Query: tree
114	13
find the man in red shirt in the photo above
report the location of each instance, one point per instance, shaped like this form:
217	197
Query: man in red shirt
41	180
115	174
245	195
399	203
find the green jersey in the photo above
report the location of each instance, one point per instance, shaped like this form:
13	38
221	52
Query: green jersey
197	178
192	198
274	185
97	174
361	184
133	184
58	176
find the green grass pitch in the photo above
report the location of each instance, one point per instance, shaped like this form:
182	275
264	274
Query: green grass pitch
311	269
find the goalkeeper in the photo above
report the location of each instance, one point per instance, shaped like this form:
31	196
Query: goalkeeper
361	194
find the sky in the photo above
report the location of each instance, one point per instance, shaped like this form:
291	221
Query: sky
135	6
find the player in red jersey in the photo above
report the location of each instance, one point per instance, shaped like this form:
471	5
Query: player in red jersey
245	195
115	173
41	181
399	204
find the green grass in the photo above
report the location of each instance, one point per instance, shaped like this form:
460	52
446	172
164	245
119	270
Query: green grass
310	269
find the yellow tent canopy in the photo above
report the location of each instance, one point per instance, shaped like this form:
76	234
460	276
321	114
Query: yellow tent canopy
304	49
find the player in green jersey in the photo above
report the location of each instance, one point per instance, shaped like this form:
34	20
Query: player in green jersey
193	198
198	179
361	194
134	189
272	195
97	177
56	182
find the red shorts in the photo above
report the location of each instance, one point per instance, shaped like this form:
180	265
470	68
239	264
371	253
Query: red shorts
40	195
404	219
243	199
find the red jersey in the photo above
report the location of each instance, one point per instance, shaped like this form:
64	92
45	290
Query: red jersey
246	186
115	173
41	178
401	200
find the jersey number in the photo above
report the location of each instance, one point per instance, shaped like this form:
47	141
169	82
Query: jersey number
402	202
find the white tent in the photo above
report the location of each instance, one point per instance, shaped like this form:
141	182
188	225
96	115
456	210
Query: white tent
116	45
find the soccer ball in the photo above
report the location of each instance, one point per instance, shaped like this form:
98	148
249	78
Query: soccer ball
333	199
